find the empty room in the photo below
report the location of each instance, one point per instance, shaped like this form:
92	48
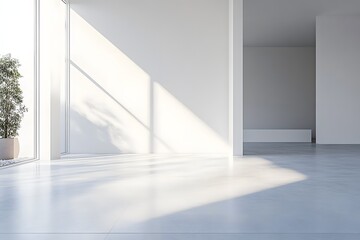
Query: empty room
179	119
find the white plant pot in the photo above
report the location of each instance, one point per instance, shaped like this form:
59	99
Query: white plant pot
9	148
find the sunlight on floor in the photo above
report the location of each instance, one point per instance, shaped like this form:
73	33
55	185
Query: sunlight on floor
281	188
159	185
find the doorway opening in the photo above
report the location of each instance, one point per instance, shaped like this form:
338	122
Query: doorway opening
279	79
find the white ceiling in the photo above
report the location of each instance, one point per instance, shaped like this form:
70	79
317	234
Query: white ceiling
289	22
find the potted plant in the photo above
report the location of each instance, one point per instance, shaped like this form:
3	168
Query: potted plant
12	108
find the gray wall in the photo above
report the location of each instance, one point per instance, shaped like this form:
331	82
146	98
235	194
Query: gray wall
279	88
149	76
338	80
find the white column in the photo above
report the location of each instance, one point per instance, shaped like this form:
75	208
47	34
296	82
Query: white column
236	77
50	73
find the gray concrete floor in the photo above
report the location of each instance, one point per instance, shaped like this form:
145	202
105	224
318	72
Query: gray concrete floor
277	191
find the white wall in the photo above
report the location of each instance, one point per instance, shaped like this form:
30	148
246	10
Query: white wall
149	76
338	80
279	88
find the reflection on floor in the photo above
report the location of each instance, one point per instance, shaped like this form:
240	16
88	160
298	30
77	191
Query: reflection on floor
16	161
277	191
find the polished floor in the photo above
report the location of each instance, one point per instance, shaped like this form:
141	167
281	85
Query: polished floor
275	192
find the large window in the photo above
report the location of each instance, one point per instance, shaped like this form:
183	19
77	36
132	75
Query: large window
18	38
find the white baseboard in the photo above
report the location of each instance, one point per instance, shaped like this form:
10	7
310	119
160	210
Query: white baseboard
277	135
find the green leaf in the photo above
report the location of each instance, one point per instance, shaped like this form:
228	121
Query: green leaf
12	108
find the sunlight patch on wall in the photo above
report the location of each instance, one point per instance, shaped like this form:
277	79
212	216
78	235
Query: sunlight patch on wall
180	128
117	107
109	95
